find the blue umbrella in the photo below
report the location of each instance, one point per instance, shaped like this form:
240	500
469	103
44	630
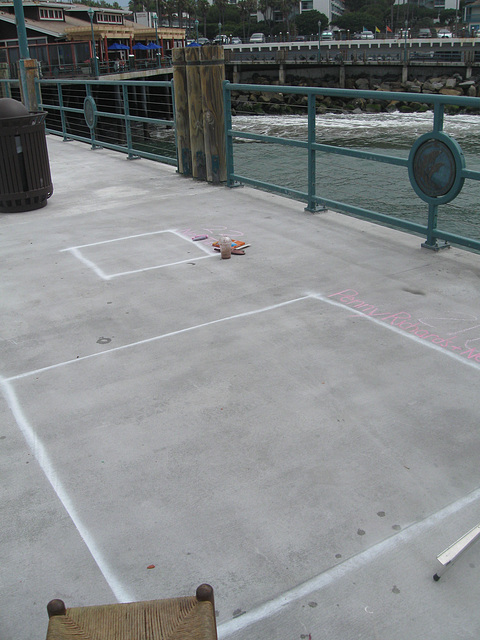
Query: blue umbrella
194	44
140	46
152	45
116	46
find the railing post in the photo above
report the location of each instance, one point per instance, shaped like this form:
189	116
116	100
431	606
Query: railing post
27	67
438	112
227	101
431	241
312	206
62	112
128	128
88	91
38	88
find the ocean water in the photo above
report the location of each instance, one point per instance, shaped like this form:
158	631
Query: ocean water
368	184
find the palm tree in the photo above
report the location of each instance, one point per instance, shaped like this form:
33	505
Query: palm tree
191	8
242	6
202	9
170	10
266	9
286	7
221	6
135	5
181	9
161	10
247	7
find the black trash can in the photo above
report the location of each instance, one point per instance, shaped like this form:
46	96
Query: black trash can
25	180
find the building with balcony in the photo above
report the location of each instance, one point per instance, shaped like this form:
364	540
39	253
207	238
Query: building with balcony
439	5
331	8
60	34
472	16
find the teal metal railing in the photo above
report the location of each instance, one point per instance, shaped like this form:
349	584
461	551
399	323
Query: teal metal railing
435	165
137	118
10	88
132	117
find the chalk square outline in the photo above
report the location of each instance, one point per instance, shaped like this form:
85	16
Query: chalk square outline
273	606
42	455
105	276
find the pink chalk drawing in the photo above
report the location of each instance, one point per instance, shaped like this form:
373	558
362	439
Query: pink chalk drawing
420	328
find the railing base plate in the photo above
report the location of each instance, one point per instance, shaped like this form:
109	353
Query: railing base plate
436	246
318	208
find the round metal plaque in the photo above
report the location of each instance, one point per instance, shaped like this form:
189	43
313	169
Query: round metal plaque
90	112
435	168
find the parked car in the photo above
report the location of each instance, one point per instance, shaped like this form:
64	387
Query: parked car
221	39
327	35
300	38
367	35
257	38
424	33
235	40
444	33
203	41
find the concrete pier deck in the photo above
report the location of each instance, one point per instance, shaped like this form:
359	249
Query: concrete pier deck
297	426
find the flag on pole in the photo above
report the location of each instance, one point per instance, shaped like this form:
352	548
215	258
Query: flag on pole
377	30
389	30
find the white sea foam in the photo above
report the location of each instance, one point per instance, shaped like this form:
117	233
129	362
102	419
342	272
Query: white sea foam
397	129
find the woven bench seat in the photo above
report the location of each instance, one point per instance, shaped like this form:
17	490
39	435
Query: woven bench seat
186	618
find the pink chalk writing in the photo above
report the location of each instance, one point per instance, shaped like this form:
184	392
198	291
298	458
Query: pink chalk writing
403	320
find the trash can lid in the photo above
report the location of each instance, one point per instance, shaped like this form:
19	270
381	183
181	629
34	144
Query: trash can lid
10	108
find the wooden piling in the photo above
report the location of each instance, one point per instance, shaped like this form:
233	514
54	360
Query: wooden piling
198	74
28	72
195	112
212	75
181	112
